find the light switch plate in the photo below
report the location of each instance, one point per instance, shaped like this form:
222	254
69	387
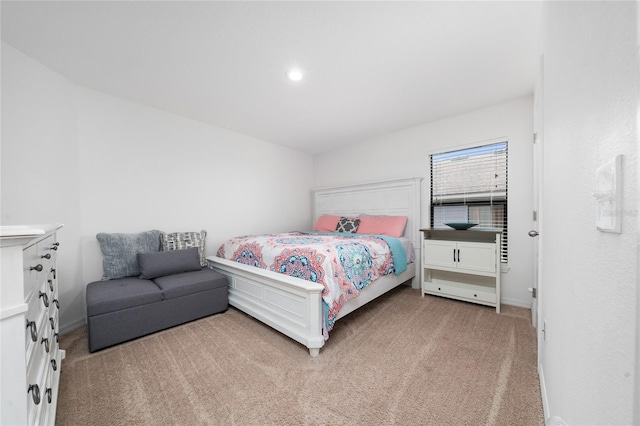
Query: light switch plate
609	196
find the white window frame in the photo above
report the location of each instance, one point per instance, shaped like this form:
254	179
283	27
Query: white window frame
504	265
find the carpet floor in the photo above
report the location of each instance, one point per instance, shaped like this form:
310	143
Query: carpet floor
402	359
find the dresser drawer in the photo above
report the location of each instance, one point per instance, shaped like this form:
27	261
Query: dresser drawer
52	285
52	319
54	303
37	316
38	262
53	356
52	327
48	398
43	347
36	385
30	269
32	345
47	251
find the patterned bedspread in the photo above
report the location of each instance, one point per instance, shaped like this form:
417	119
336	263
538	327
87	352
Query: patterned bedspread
343	263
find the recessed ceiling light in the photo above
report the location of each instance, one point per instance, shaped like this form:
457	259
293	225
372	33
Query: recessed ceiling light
295	74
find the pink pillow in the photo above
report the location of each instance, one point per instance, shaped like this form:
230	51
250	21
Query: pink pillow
326	223
383	225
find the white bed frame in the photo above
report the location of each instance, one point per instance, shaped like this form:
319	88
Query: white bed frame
294	306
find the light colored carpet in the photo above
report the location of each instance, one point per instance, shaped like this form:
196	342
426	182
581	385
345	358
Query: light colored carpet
402	359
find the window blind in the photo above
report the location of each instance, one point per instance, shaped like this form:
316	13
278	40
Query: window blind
471	185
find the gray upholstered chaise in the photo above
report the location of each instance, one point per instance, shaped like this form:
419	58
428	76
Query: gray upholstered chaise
145	289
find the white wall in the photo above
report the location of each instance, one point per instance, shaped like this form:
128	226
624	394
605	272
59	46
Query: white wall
589	279
39	161
406	153
117	166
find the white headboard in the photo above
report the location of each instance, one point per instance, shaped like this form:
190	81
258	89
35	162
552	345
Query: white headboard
398	197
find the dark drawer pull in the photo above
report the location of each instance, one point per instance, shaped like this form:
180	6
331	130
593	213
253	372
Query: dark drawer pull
49	394
34	330
35	393
38	267
53	271
55	302
52	322
57	336
45	299
54	246
50	285
46	344
46	256
54	365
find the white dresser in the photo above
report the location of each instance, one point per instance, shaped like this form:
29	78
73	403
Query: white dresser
463	265
30	359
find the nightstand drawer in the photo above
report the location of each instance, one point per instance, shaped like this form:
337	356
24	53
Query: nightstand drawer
470	293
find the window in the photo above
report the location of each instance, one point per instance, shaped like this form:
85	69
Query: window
470	185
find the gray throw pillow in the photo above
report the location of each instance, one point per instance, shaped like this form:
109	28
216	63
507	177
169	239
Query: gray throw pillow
120	252
159	264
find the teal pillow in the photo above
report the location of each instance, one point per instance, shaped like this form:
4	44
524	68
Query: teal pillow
120	252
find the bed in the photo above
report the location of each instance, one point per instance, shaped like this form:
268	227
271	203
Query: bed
294	306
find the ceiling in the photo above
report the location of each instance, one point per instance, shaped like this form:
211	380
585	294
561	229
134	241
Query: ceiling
370	68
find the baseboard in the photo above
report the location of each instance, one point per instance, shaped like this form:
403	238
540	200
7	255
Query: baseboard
72	326
514	302
543	392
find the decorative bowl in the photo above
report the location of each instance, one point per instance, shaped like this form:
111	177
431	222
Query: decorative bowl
461	226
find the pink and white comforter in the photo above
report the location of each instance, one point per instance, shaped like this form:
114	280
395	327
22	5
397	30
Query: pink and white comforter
343	263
